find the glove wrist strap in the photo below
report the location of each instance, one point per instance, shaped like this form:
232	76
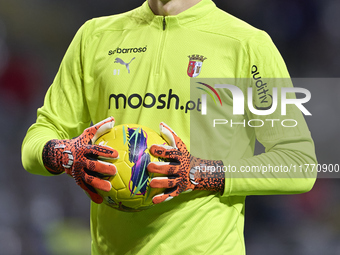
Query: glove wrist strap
69	159
55	156
207	174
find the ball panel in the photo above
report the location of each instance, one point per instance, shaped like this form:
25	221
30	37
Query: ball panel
130	187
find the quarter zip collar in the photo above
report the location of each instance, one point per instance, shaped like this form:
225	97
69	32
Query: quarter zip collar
193	13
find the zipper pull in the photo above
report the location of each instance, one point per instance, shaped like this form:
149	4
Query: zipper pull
164	23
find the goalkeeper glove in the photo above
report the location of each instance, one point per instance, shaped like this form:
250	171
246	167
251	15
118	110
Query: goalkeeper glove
78	157
185	172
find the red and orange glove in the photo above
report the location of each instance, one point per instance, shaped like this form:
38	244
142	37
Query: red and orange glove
185	172
79	157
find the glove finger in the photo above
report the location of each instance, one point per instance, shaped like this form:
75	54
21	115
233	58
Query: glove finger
101	128
164	182
101	151
169	135
165	196
97	182
101	167
164	151
95	197
167	168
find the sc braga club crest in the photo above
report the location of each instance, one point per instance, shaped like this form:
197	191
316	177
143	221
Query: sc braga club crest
195	65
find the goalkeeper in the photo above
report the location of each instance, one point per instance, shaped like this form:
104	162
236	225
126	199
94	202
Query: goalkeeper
135	66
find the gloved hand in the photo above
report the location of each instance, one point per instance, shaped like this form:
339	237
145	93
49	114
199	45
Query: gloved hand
185	172
79	157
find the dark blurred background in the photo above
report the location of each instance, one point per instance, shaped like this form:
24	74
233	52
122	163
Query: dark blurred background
40	215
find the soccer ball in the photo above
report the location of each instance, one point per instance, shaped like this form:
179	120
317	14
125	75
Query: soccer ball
130	186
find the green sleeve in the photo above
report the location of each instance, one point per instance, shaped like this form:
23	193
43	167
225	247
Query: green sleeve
64	114
284	146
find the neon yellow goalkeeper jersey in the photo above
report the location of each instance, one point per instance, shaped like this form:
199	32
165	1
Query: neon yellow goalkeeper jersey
137	67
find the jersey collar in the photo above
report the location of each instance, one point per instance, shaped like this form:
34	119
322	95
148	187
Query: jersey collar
194	13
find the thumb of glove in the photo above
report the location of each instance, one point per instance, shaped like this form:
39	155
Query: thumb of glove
102	128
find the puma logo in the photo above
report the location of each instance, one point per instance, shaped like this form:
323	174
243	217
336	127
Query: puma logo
127	65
